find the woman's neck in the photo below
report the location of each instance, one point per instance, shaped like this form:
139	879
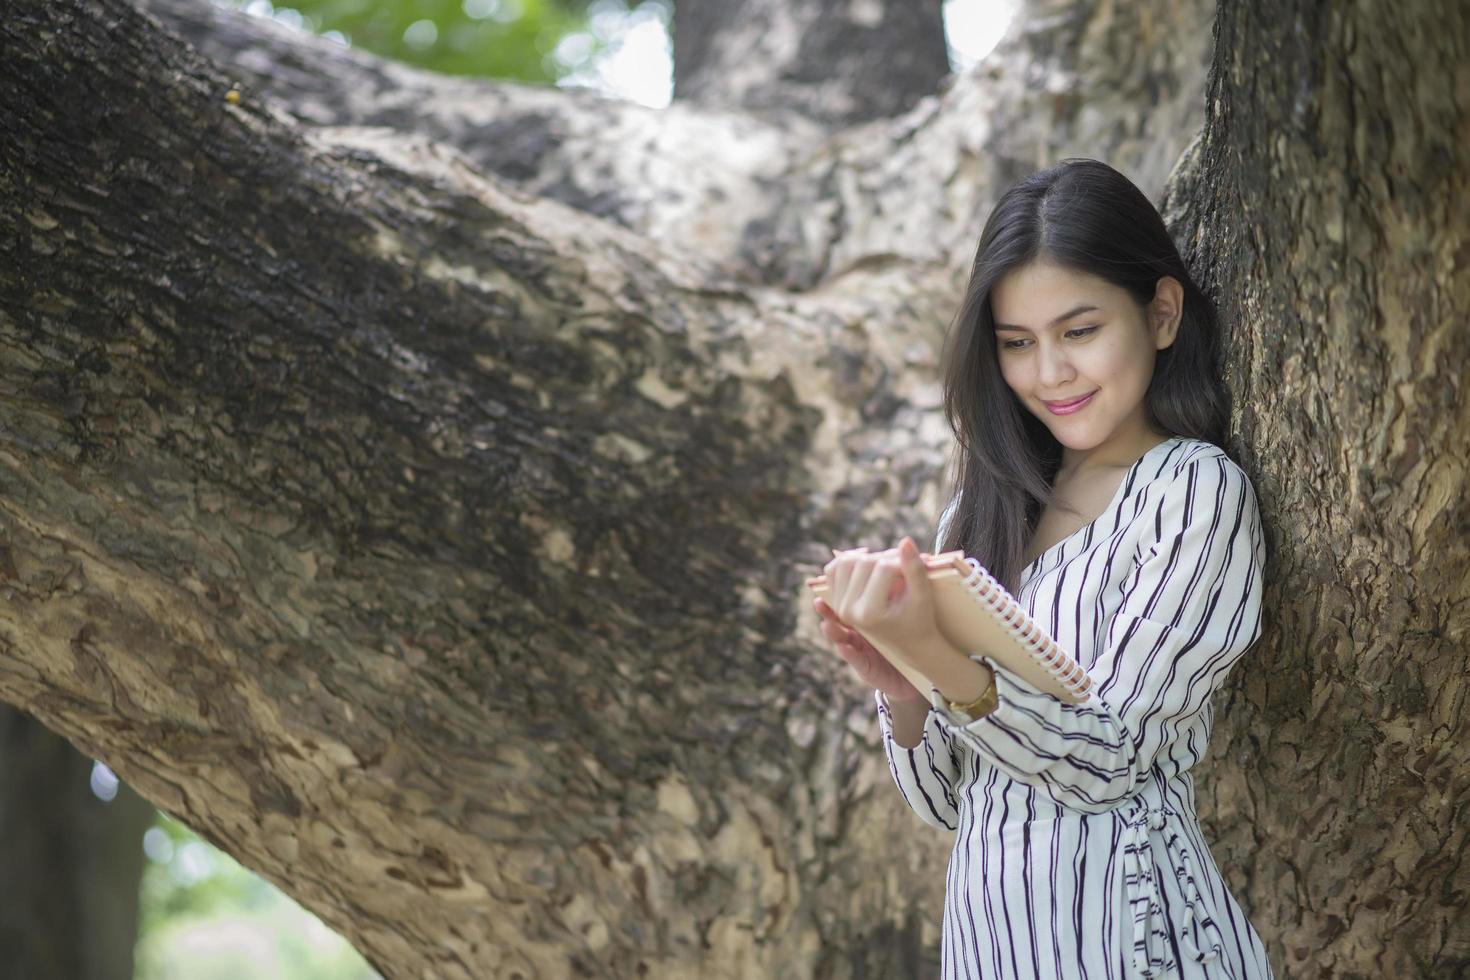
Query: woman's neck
1115	453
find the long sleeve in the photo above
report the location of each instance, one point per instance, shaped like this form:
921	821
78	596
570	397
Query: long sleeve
1190	608
926	774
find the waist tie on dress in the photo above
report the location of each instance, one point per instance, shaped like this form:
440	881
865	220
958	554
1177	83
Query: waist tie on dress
1146	899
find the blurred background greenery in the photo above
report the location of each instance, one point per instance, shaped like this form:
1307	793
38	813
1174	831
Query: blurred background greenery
617	46
204	917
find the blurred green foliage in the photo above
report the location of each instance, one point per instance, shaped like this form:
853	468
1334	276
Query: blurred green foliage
522	40
205	917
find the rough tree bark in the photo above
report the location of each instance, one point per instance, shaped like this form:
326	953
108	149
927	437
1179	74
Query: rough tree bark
1327	199
434	546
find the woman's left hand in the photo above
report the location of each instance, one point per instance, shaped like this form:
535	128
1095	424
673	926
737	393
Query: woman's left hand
886	596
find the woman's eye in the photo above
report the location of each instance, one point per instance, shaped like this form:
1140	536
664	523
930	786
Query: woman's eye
1080	331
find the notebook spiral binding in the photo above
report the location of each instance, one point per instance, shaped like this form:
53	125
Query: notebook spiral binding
984	586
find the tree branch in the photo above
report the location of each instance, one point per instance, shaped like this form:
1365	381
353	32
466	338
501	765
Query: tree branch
772	198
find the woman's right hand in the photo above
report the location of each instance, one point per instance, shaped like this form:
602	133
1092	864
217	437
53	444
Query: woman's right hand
871	667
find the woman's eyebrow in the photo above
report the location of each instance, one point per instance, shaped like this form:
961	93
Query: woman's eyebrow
1065	316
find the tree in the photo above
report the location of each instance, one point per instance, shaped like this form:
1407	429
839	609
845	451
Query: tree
70	861
421	514
1324	197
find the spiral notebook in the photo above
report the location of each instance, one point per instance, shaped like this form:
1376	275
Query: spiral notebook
979	615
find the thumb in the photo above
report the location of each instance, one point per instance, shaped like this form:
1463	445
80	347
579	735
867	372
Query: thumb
910	568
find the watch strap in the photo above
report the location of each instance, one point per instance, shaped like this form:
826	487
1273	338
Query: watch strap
964	714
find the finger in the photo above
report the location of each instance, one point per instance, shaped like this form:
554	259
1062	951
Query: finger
837	583
861	570
855	570
829	617
907	557
915	571
877	588
835	632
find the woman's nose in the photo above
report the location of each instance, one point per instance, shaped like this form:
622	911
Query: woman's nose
1053	369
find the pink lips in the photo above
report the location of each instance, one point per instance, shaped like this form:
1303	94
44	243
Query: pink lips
1067	408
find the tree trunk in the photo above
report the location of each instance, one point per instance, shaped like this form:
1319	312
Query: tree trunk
1326	204
435	547
69	861
833	61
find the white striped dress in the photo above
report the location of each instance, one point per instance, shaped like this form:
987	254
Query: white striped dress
1077	850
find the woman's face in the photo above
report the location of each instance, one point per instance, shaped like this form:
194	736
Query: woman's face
1061	334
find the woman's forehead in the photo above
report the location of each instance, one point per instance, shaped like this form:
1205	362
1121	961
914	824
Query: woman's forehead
1044	294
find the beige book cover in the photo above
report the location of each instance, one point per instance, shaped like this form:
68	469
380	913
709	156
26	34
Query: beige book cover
979	615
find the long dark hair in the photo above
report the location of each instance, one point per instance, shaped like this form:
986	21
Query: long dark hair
1085	215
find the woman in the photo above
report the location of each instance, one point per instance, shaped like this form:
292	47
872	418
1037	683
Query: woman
1081	382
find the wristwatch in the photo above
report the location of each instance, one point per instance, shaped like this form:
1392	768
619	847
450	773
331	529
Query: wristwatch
963	714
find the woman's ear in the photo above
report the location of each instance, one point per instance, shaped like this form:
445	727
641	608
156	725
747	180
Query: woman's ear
1165	311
